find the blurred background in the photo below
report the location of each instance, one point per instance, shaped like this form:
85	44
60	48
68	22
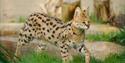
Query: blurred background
105	38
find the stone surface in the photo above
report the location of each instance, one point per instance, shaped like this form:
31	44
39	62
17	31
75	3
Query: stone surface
13	9
99	50
102	49
101	28
7	29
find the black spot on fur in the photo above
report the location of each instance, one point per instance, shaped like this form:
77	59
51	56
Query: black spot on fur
48	19
51	23
34	14
50	28
56	19
63	36
29	38
57	37
39	28
41	14
53	36
55	42
33	29
54	25
63	27
57	28
41	32
31	15
53	31
43	21
69	29
63	51
25	41
34	25
47	24
37	15
30	34
29	30
62	46
39	25
32	19
43	28
44	33
47	30
63	41
40	17
49	37
30	25
25	35
65	48
21	34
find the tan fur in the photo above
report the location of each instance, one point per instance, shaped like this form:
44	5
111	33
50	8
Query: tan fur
53	30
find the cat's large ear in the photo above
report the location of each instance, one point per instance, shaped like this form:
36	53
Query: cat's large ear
77	12
85	11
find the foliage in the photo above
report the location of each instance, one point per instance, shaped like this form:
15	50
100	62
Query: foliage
94	19
21	19
115	58
5	55
119	37
100	37
81	59
47	58
39	58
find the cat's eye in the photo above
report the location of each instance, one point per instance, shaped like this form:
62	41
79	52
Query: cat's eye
83	22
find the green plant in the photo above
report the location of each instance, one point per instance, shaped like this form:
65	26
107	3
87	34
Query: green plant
39	58
5	55
94	19
99	37
47	58
115	58
21	19
116	37
81	59
119	37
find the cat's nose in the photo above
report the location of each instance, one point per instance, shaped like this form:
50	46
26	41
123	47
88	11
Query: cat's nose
88	25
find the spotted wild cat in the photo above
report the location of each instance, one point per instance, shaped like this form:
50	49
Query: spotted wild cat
53	30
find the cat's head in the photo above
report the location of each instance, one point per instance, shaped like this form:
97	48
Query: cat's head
81	19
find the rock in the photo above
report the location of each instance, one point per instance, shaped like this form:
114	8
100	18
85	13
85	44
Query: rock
12	29
101	28
99	49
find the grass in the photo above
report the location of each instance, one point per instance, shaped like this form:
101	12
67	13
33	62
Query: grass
5	55
117	37
100	37
115	58
47	58
39	58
